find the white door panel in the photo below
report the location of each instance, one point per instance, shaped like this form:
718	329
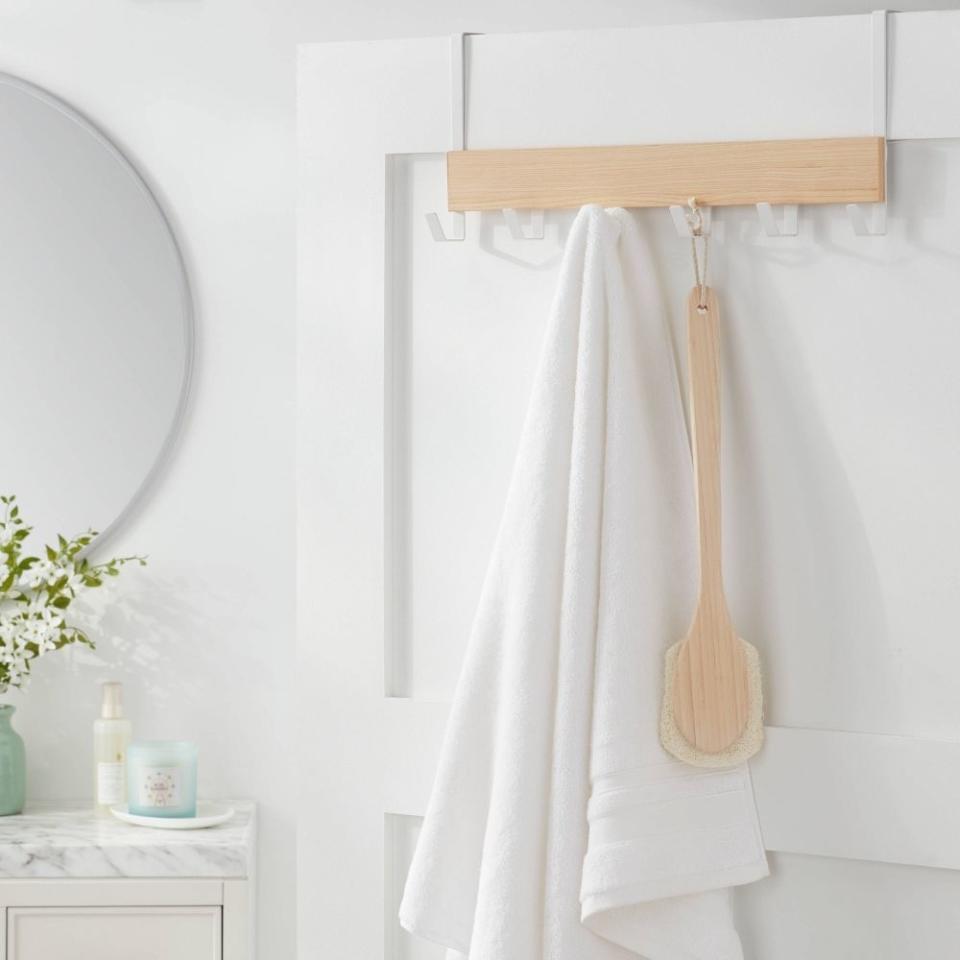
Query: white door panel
401	839
812	907
840	795
841	408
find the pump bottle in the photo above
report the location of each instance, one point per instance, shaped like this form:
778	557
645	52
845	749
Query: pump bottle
111	737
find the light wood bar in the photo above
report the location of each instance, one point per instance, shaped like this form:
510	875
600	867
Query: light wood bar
839	170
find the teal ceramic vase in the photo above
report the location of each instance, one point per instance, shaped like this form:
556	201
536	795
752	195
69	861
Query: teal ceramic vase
13	765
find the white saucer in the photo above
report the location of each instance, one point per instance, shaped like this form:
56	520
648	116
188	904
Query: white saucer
208	815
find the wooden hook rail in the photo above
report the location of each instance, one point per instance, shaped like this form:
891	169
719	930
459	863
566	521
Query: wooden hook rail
839	170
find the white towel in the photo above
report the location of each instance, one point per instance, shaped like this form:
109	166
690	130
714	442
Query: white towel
558	828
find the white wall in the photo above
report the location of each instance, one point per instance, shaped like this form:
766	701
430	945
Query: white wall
200	97
200	93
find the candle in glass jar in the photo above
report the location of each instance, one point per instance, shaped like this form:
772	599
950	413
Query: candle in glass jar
162	778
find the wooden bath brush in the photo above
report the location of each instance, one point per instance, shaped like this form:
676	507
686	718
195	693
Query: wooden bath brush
713	703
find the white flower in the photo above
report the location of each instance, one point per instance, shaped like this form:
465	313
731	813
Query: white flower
4	571
7	530
17	668
56	574
51	618
40	573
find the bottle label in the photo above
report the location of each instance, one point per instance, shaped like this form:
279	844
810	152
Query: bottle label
110	783
158	787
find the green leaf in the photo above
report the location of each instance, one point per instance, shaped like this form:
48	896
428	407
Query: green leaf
51	553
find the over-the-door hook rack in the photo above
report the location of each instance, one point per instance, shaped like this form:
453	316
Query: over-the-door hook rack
761	173
734	173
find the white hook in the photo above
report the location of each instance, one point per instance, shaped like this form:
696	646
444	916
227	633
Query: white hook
535	232
681	221
876	226
458	227
789	224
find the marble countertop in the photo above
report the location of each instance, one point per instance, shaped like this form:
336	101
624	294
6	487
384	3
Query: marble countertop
67	839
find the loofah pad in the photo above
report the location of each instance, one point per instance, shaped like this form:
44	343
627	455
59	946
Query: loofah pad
749	743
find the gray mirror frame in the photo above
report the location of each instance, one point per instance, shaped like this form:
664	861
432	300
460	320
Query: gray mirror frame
175	428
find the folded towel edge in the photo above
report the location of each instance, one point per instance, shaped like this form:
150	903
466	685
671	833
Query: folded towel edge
645	892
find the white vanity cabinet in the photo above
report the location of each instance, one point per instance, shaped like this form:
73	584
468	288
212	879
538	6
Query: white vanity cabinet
77	887
114	933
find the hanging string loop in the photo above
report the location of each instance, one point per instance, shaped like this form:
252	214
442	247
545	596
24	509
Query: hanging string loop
694	216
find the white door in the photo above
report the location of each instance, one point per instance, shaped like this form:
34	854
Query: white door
841	408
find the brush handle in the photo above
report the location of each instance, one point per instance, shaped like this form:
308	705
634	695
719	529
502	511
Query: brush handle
703	332
713	693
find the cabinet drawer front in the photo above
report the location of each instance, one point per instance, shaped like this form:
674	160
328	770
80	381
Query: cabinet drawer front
113	933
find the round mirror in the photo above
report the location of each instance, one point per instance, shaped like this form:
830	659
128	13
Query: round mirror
96	321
